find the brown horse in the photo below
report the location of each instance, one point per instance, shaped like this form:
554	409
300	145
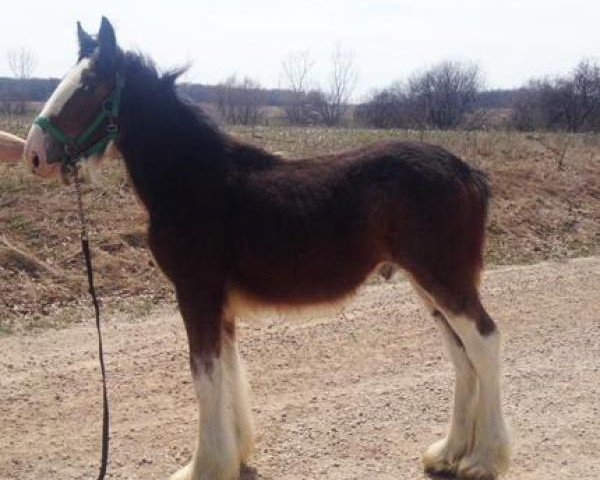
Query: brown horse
228	221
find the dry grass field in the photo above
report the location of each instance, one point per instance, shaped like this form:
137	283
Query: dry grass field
546	206
354	393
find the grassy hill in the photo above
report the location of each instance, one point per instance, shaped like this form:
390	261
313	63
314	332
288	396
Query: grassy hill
546	205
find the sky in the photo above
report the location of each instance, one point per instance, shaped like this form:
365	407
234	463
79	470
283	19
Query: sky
511	41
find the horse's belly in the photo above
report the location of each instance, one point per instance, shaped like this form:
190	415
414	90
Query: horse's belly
316	286
246	305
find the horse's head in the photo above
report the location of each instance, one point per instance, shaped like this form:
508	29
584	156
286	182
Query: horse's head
80	118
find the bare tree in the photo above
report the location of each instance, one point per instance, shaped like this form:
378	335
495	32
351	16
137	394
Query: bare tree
296	67
332	104
441	97
526	112
443	94
568	103
21	63
379	111
387	108
239	101
582	97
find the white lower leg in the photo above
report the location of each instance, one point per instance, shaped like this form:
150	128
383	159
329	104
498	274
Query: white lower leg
491	448
240	390
216	455
465	396
444	455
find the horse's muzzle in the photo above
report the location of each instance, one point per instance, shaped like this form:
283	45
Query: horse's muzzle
39	152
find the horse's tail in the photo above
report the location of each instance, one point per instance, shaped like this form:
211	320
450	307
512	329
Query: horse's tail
481	189
478	186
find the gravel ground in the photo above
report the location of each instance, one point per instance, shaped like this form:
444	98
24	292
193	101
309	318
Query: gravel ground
352	394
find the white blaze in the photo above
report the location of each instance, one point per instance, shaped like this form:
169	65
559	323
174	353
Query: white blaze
65	89
37	141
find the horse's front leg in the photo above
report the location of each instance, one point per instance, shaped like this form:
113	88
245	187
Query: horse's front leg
224	438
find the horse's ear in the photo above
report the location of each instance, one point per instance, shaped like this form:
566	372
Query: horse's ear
106	37
86	43
107	43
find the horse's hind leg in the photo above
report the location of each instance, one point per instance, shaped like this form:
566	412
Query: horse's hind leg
489	455
224	438
487	451
443	456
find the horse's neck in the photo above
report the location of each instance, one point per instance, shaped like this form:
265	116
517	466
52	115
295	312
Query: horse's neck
164	145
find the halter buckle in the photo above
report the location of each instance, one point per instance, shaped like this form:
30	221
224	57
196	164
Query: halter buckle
112	126
72	151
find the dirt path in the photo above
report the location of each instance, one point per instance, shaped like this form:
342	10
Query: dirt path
357	395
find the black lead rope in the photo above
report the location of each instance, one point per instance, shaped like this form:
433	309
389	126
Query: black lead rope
85	247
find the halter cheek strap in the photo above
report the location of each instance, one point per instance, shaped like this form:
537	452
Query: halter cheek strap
76	148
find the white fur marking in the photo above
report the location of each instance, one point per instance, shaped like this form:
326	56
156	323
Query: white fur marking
37	140
445	454
36	145
225	428
247	307
65	90
491	448
216	452
239	393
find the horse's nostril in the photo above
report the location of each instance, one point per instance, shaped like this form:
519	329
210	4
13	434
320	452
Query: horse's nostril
35	160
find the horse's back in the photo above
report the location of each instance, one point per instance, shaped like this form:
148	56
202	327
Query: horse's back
328	221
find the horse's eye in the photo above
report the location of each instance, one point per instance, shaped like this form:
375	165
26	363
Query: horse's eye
88	82
88	86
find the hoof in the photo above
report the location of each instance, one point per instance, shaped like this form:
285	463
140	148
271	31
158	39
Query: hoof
489	467
475	472
184	473
211	472
440	459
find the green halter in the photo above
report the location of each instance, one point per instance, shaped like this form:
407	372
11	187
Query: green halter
77	148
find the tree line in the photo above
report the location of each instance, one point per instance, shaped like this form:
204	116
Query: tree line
447	95
568	103
450	95
440	97
306	103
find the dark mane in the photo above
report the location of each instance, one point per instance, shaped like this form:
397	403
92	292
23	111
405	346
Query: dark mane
153	114
153	85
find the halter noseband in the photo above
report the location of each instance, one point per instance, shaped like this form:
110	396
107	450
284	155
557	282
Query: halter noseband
76	148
